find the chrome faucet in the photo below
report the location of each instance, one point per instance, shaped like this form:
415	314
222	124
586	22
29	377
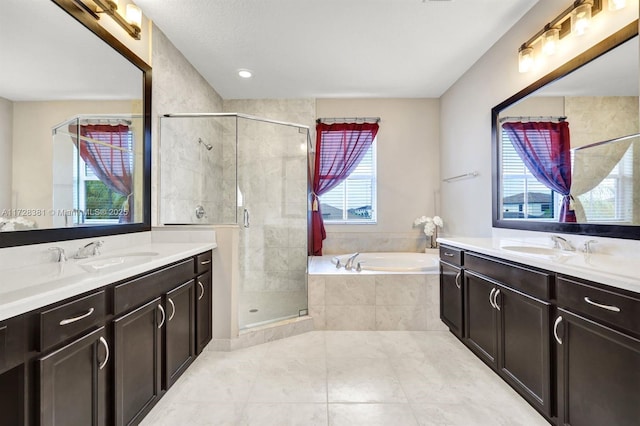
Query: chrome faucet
91	249
61	256
562	243
349	265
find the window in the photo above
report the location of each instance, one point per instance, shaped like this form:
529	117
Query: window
354	199
97	201
523	196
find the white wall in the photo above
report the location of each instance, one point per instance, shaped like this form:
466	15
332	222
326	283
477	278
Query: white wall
466	111
408	173
6	138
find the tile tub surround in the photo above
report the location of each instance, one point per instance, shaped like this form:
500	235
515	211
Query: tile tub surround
344	378
369	300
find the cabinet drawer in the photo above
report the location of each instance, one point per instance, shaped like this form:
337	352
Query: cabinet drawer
71	319
532	282
608	306
203	262
140	290
451	255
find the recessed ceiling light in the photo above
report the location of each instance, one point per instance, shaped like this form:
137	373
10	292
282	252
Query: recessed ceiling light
245	73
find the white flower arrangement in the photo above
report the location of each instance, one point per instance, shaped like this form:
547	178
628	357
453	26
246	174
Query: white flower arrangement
431	225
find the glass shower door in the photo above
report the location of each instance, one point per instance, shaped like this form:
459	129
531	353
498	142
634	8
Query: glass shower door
272	213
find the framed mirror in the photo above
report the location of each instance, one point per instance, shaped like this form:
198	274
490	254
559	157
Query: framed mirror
75	128
566	149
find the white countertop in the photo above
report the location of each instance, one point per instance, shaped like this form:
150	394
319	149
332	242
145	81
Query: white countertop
31	287
615	271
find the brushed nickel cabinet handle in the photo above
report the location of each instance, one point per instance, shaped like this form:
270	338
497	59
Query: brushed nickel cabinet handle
600	305
495	299
201	290
493	290
448	254
458	279
78	318
163	316
555	330
173	309
106	350
205	262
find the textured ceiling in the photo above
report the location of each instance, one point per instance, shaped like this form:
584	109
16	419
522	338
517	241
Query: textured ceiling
334	48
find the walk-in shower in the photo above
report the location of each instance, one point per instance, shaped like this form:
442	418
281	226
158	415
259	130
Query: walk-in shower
251	172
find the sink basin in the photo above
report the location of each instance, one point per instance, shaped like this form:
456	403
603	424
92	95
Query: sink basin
118	261
538	251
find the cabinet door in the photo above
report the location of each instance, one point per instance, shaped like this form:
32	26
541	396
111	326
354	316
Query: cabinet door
525	356
137	352
72	382
480	317
204	306
180	331
451	298
598	374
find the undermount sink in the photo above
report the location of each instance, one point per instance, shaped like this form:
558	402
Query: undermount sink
116	261
538	251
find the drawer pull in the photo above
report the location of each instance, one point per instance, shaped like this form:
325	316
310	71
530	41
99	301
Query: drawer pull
493	290
106	350
78	318
205	262
555	330
458	279
599	305
173	309
201	290
163	316
448	254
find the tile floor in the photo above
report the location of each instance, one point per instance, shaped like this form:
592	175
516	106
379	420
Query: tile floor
344	378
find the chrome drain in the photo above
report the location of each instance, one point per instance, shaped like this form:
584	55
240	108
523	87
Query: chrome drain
253	310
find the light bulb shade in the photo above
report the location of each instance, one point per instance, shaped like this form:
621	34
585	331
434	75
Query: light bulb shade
581	18
617	4
550	40
525	59
134	15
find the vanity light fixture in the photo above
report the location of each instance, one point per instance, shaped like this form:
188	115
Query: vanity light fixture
131	23
581	18
575	19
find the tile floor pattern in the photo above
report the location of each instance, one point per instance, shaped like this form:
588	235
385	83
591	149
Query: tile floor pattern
398	378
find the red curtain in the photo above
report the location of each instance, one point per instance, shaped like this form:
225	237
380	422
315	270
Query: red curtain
339	149
111	161
545	149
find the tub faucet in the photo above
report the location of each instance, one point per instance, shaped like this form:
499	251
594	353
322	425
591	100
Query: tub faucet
561	243
349	265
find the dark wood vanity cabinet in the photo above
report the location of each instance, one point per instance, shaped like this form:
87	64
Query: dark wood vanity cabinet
204	310
137	363
105	357
507	327
570	347
180	334
451	294
598	355
72	382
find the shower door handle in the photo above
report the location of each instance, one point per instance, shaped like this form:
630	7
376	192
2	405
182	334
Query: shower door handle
246	218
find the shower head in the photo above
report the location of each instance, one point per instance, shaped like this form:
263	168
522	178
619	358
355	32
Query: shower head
206	145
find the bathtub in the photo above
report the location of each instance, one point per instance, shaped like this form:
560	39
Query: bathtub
392	262
393	291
